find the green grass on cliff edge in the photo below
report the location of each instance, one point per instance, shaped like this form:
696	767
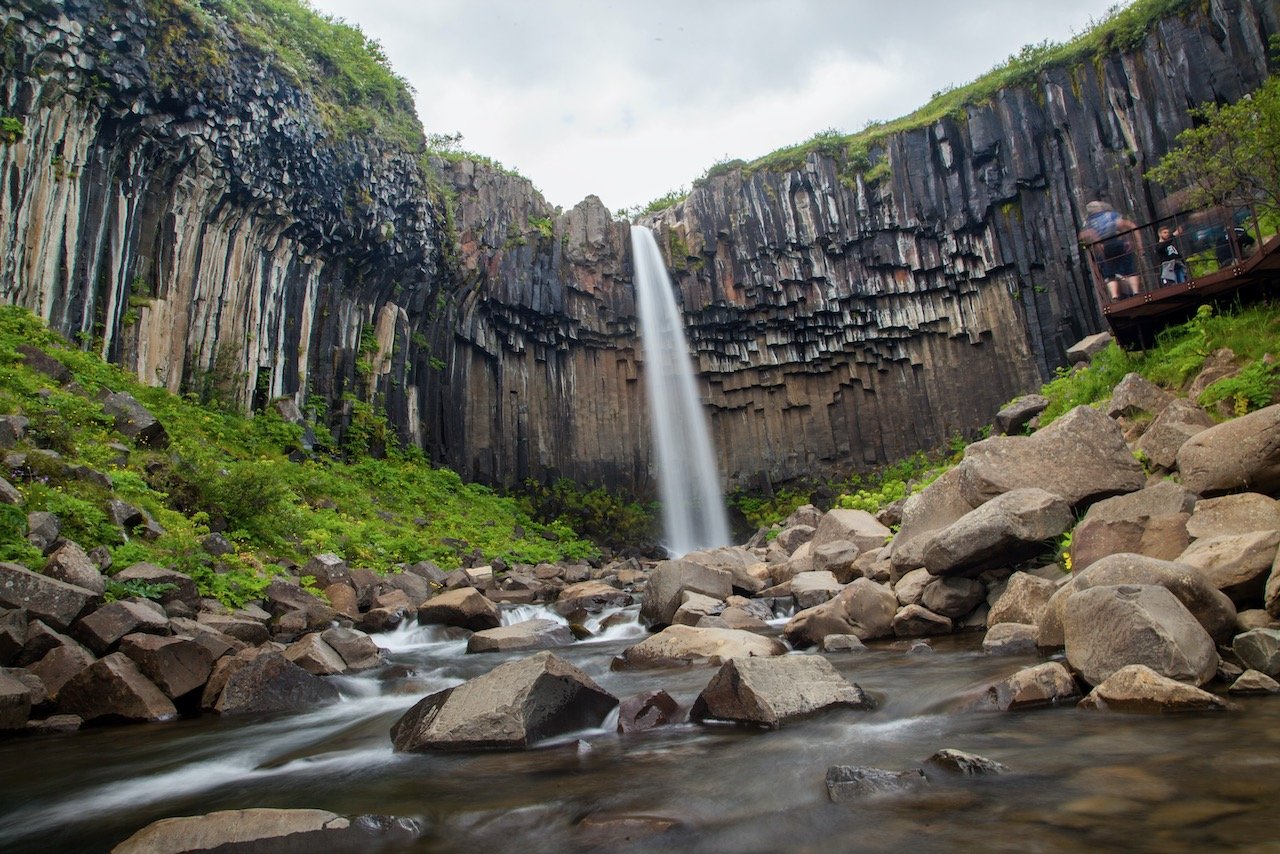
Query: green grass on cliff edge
233	474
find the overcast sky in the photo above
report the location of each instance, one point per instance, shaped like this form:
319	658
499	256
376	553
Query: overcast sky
629	99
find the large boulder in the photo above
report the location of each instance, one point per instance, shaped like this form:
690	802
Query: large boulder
114	687
1005	530
176	665
863	608
514	705
769	692
357	649
134	420
68	562
743	566
262	830
182	588
313	655
1081	457
530	634
1138	688
953	597
916	621
856	526
1210	606
55	602
1238	513
590	596
1010	639
837	557
928	511
814	588
1109	627
1151	521
1236	564
681	646
1136	395
102	629
670	579
465	607
1171	429
269	682
1241	455
1024	600
327	569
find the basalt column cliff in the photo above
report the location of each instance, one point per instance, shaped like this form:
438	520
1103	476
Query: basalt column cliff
182	200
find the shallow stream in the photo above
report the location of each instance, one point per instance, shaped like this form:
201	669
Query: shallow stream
1078	780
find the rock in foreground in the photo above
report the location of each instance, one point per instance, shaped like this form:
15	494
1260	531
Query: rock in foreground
269	830
771	691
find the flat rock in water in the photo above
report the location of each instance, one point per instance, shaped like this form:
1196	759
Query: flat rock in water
681	646
851	782
966	763
269	682
646	711
1047	684
530	634
772	691
465	607
1138	688
512	706
275	830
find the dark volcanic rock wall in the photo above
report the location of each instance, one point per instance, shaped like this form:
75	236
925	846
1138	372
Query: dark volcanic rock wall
196	218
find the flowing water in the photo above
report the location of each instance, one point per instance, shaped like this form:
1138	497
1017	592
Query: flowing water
693	513
1078	780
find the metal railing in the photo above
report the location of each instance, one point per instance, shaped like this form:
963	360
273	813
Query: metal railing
1136	260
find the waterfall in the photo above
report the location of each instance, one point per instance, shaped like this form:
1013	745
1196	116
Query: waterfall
693	514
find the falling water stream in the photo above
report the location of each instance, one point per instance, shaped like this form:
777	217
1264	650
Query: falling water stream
693	513
1078	780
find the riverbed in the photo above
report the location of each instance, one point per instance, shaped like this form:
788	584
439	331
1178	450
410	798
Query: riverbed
1078	780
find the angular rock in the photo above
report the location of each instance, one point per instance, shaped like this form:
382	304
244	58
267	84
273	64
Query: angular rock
1254	682
847	783
838	558
1255	618
910	587
1210	606
855	526
932	509
1238	513
1017	413
695	607
13	635
1151	521
43	529
101	629
183	587
114	687
275	830
284	596
313	655
9	493
590	596
1236	564
15	703
682	646
176	665
55	602
864	608
842	643
670	579
1005	530
1259	650
357	649
1136	395
1083	351
916	621
953	597
1010	639
13	428
1171	429
813	588
1047	684
269	682
1024	600
744	567
134	420
969	764
68	562
1241	455
57	666
512	706
1138	688
1081	457
1107	628
217	643
530	634
790	539
769	692
38	360
327	569
465	607
647	711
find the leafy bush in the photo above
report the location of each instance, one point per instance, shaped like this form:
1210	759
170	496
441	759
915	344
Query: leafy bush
597	514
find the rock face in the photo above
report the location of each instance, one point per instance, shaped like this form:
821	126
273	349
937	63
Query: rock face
838	319
514	705
769	692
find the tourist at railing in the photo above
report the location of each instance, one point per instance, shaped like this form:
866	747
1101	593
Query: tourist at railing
1172	269
1112	241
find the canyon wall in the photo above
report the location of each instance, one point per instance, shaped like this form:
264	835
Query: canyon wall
210	230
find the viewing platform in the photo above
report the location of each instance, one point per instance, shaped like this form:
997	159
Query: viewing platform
1224	254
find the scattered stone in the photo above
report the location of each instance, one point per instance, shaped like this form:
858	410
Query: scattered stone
969	764
1240	455
843	643
9	493
864	608
134	420
1254	682
1083	351
530	634
176	665
326	569
270	830
55	602
313	655
851	782
512	706
1107	628
1138	688
1017	413
1024	600
663	595
647	711
101	629
1047	684
1259	650
1010	639
1236	564
1008	528
68	562
792	538
590	596
1171	429
682	646
465	607
769	692
13	429
837	557
43	529
40	361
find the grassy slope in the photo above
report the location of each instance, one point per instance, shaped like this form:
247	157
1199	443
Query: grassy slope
227	472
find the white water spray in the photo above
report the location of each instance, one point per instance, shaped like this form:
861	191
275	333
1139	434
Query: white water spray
693	514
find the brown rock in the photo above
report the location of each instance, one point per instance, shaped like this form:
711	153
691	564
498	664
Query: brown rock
1171	429
465	607
668	581
1045	684
1024	600
1236	564
327	569
114	687
176	665
274	830
855	526
15	703
1010	639
313	655
682	646
916	621
183	586
248	631
530	634
590	596
953	597
1005	530
1138	688
54	602
1239	513
102	629
68	562
864	608
647	711
342	598
1241	455
357	649
769	692
269	682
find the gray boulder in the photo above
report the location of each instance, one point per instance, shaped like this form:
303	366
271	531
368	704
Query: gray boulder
1241	455
1005	530
54	602
910	587
813	588
530	634
1017	413
1109	627
1135	395
681	646
327	569
1081	457
512	706
1010	639
1236	564
855	526
1138	688
847	783
1171	429
1254	682
932	509
1151	521
1024	600
864	608
114	687
68	562
769	692
465	607
269	682
134	420
792	538
670	579
837	557
1259	650
953	597
1238	513
647	711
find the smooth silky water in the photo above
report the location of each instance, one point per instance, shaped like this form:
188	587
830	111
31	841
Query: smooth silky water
1079	780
